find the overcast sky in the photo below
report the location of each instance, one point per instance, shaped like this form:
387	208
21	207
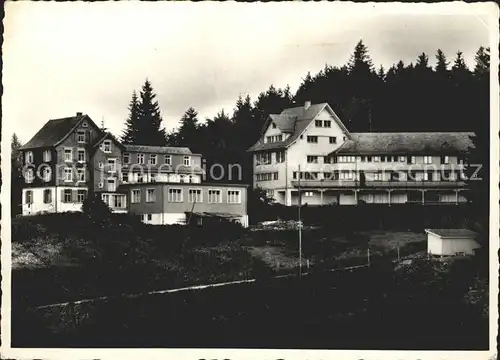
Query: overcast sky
63	58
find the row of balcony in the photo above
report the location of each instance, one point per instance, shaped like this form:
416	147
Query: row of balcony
377	184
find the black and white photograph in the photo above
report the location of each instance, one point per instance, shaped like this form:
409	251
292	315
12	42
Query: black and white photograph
302	178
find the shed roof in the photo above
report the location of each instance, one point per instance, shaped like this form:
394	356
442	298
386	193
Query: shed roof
452	233
406	143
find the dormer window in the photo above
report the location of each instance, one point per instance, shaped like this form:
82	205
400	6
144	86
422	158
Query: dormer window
274	126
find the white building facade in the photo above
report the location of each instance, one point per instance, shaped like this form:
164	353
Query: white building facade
308	148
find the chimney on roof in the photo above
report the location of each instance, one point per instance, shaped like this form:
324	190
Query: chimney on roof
307	104
79	114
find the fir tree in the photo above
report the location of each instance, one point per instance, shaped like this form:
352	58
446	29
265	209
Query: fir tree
132	123
143	126
482	58
17	179
187	134
442	63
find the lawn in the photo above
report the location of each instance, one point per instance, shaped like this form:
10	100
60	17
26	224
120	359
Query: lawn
323	311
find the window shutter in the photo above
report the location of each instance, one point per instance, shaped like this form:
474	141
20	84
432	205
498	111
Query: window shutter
62	196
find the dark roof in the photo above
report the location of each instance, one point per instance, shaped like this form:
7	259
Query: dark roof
452	232
109	136
406	143
158	149
294	120
53	132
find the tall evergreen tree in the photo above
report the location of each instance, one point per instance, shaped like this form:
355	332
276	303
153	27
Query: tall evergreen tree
17	179
482	58
143	126
442	63
187	133
132	126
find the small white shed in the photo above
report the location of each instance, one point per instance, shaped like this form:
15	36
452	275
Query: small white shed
451	242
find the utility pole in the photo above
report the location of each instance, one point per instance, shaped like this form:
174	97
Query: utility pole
300	227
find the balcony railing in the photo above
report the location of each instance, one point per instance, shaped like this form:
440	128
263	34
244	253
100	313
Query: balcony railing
352	184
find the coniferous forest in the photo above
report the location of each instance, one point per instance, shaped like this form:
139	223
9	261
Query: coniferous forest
414	97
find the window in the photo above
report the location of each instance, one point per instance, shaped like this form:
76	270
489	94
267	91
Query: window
345	175
150	195
149	217
318	123
275	176
182	178
28	197
327	123
312	139
111	184
195	196
125	177
140	177
153	159
47	196
410	159
85	125
377	176
233	197
153	177
263	158
187	160
445	159
28	157
275	138
333	139
175	195
168	159
126	158
46	174
401	159
280	156
101	164
80	137
81	155
274	126
80	175
135	196
107	146
67	195
47	156
68	174
214	196
29	176
112	165
266	176
101	185
308	194
105	198
312	159
344	138
119	201
427	159
68	155
376	159
140	158
81	195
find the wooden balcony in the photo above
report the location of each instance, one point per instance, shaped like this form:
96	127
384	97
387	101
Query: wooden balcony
352	184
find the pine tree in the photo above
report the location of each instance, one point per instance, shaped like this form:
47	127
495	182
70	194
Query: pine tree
360	61
132	123
143	124
187	134
17	179
459	63
422	62
442	63
482	59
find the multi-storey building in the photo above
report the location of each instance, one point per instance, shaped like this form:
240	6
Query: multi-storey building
163	185
308	148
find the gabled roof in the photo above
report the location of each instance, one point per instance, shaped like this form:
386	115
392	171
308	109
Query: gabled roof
107	135
425	143
158	149
452	233
294	120
54	132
